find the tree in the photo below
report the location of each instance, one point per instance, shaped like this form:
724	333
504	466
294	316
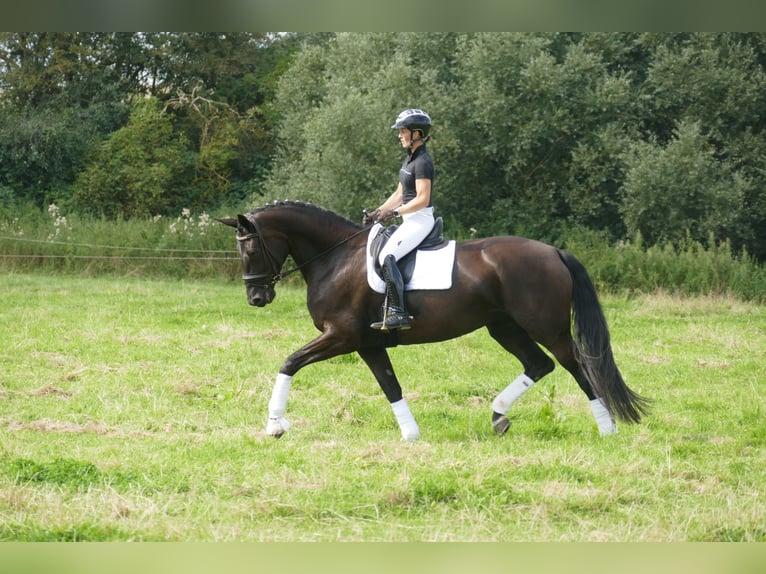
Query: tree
67	69
219	87
56	102
334	100
537	133
41	153
139	171
534	133
680	189
90	78
536	101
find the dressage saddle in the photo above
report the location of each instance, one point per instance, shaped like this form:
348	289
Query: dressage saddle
433	241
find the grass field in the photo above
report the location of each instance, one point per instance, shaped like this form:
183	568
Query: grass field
134	410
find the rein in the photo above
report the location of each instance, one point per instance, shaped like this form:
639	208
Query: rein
255	279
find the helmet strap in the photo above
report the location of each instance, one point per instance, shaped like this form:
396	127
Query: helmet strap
414	141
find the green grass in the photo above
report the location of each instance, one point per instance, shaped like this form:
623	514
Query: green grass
134	410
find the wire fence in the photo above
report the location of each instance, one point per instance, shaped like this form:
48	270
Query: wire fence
123	247
28	254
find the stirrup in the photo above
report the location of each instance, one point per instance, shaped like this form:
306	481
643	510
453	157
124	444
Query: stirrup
393	319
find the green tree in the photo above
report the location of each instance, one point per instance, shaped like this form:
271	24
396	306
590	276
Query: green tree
92	76
337	148
540	108
139	170
508	110
680	189
68	69
536	133
58	97
41	153
719	82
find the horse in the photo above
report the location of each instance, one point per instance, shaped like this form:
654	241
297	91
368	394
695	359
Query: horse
529	295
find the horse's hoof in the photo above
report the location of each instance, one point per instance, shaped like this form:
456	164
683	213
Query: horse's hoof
500	423
277	427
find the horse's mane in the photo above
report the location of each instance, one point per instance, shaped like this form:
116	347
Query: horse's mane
317	212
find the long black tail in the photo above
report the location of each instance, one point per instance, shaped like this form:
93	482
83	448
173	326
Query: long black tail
593	348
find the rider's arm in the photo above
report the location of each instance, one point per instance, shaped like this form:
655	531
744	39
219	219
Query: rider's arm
394	200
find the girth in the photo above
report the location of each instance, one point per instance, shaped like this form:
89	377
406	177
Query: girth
433	241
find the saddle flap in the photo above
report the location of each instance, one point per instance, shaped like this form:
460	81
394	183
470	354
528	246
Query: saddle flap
434	241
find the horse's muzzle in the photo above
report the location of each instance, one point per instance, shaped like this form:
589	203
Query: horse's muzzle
260	296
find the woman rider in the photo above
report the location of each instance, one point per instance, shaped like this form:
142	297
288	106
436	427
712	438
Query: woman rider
412	202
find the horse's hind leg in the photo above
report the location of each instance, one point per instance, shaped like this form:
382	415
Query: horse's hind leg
563	350
378	361
534	360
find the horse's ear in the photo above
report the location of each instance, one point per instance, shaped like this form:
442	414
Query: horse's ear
227	221
244	223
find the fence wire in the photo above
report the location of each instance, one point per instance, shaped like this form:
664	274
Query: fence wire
55	254
115	257
118	247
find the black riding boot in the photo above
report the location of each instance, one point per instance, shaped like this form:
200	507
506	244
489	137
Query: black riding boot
395	316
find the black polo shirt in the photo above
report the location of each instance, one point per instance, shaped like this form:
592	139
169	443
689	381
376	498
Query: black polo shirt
418	165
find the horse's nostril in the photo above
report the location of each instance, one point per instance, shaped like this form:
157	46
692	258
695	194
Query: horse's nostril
258	300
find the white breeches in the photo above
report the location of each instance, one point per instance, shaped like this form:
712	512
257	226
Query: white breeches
414	229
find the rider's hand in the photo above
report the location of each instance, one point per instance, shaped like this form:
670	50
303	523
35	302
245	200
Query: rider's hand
370	217
386	215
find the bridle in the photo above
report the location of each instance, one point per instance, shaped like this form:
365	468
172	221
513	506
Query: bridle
261	279
268	280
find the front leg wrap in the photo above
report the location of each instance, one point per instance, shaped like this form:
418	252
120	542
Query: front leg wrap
277	424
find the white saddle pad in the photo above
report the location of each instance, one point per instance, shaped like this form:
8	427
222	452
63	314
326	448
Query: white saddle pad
433	269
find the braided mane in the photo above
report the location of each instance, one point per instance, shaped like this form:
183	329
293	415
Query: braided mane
320	211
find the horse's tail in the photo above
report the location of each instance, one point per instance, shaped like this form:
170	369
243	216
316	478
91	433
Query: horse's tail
593	349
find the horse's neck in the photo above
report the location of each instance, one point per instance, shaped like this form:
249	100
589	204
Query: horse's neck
308	238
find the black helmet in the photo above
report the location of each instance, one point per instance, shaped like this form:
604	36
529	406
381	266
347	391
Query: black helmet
414	119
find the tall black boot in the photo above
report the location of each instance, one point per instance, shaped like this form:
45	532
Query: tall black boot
395	316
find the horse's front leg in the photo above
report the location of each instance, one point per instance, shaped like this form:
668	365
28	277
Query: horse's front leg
325	346
380	364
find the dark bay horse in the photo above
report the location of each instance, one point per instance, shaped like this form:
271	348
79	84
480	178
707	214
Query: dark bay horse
526	293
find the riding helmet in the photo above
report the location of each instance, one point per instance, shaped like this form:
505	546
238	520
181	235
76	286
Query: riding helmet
414	119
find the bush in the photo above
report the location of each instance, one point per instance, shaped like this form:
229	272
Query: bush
689	269
680	189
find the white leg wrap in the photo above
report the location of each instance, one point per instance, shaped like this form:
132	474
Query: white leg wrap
278	401
410	430
604	420
277	423
511	393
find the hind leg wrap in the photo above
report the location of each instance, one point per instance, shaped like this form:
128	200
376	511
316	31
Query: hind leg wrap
604	420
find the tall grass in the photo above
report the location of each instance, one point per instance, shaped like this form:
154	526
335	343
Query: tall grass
189	245
687	269
195	245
